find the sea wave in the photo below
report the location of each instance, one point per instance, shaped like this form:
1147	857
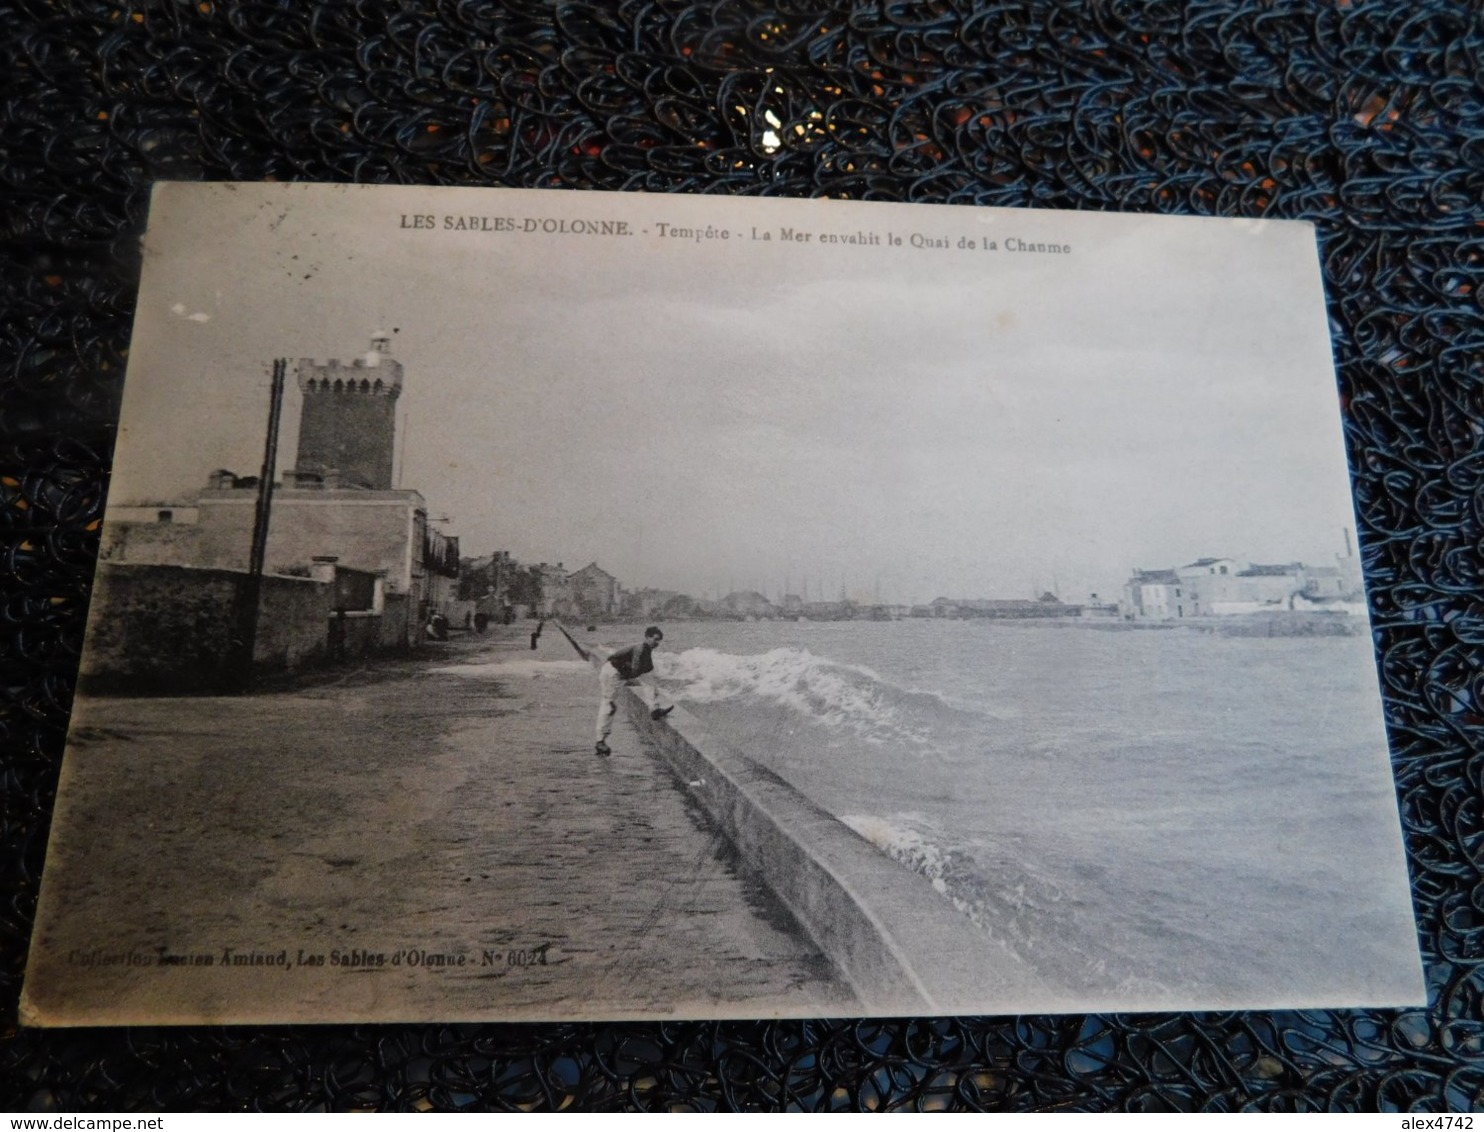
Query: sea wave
836	695
1027	912
957	876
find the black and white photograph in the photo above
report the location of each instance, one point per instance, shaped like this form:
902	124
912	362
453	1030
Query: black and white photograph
529	605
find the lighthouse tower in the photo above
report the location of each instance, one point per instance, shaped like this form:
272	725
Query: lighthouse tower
347	430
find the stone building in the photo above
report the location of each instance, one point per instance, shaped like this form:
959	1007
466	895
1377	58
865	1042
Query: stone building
595	592
650	603
336	507
1159	594
348	423
746	603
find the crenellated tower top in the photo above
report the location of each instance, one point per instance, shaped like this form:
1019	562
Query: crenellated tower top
347	430
375	372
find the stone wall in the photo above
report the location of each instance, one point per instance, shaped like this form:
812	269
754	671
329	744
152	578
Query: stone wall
151	543
167	629
360	634
293	624
396	634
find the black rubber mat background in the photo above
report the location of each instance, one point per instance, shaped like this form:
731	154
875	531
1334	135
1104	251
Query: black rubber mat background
1365	117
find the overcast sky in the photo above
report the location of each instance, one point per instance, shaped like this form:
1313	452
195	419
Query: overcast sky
714	415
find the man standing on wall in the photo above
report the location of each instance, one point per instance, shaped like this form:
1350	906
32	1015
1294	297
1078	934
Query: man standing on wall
624	668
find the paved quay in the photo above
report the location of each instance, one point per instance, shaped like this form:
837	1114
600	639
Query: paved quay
430	838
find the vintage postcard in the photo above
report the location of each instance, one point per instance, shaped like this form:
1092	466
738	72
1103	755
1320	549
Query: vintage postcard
547	605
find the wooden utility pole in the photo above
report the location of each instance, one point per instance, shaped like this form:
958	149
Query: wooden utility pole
245	621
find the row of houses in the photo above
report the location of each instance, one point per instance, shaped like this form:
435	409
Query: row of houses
1207	587
655	604
500	588
1217	587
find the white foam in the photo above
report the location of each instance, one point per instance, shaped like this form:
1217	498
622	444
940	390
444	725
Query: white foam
828	692
900	843
908	847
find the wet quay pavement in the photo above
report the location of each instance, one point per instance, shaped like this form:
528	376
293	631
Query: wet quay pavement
413	839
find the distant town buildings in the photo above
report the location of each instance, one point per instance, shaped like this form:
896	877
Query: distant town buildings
1207	587
746	603
1047	605
1217	587
651	604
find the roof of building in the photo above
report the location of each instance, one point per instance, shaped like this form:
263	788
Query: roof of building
1256	571
1155	577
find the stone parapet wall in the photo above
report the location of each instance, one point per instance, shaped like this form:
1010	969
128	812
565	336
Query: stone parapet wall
168	629
900	945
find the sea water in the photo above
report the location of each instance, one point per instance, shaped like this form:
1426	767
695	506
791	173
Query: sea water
1164	816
